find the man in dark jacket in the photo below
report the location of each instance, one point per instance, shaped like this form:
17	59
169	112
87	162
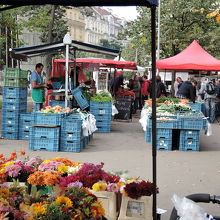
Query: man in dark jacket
187	90
160	88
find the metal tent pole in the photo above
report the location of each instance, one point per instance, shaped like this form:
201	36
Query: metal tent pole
66	76
154	125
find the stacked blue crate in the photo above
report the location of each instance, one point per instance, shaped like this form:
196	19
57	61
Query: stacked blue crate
103	114
14	103
44	138
71	134
25	124
80	98
189	140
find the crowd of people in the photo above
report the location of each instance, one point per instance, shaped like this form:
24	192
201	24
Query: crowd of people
140	89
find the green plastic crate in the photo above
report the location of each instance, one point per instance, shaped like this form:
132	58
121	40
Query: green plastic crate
15	82
15	73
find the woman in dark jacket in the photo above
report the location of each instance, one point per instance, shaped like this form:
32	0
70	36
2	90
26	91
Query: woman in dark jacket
160	88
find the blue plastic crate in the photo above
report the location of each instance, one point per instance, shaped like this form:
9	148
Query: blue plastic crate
43	144
197	106
103	117
71	125
74	116
95	105
191	122
58	85
169	124
27	117
8	120
16	93
161	133
71	136
26	121
54	103
10	135
164	144
12	114
103	122
185	134
101	111
14	100
48	119
22	106
189	144
148	135
103	129
24	135
10	128
80	98
205	124
71	146
45	132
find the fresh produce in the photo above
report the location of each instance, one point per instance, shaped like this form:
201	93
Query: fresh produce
57	110
102	97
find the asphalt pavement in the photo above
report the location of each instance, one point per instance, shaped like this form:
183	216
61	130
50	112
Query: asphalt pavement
124	149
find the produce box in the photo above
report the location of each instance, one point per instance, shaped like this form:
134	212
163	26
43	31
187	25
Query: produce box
48	118
80	98
13	92
15	73
15	82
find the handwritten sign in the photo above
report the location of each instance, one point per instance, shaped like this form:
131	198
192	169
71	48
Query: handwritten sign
135	209
124	107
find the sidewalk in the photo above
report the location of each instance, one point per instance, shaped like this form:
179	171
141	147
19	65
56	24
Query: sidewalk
124	148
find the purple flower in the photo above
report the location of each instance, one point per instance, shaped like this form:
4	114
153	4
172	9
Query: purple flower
28	169
51	166
75	184
13	170
113	187
34	161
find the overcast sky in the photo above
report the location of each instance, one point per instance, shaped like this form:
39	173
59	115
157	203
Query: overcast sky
129	13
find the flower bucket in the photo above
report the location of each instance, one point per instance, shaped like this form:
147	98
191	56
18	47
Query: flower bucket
140	209
42	189
109	202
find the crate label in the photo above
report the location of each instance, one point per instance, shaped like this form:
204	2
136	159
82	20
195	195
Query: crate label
9	122
135	208
102	112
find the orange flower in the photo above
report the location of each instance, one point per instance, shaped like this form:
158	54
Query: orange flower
66	161
51	179
22	153
1	155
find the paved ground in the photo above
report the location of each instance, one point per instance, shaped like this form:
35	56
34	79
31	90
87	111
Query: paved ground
124	148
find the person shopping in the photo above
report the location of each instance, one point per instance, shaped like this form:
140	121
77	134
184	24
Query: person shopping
136	90
38	87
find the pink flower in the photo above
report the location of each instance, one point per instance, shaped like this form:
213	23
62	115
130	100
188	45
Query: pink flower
13	170
113	187
51	166
34	161
75	184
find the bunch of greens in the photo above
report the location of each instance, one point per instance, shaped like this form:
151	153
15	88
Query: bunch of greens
172	108
167	99
102	97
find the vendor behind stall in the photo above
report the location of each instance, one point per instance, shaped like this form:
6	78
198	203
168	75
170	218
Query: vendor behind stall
38	86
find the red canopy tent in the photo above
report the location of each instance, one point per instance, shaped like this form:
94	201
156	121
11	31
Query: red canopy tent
194	57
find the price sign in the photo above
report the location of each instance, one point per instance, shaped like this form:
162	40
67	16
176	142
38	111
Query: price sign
135	209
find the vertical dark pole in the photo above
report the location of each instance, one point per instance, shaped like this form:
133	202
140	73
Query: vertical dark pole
74	69
154	122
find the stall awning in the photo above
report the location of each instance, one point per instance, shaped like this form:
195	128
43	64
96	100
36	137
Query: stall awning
78	3
58	47
194	57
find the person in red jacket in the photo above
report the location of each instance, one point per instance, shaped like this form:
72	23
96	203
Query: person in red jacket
144	88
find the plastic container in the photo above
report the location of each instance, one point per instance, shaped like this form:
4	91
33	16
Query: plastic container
43	144
71	125
103	123
15	82
10	127
17	93
10	120
24	134
197	106
45	132
189	144
101	111
193	122
95	105
12	114
22	106
185	134
164	144
58	85
103	117
80	98
103	129
14	100
15	73
71	136
169	124
10	135
71	146
48	119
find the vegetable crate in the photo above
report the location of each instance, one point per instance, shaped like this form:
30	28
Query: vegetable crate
12	114
96	105
22	106
48	118
24	135
103	129
164	143
15	73
14	100
45	132
192	122
169	123
71	125
43	144
80	98
72	146
26	122
105	123
71	136
15	82
54	103
189	140
15	93
197	106
101	111
58	85
11	135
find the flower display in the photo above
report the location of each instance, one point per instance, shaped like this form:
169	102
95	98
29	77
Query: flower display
100	186
64	201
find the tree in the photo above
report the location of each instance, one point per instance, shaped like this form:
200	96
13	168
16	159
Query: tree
113	44
181	23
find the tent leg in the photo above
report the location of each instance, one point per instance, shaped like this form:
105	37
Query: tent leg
67	76
154	125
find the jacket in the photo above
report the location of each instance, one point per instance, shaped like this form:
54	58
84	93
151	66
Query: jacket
187	91
136	88
144	87
160	89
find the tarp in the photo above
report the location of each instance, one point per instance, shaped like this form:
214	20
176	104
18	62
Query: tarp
77	3
60	46
194	57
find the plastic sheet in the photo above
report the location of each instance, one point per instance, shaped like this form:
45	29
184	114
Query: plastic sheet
187	209
114	110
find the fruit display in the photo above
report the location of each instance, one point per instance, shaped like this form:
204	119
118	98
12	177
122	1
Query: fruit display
57	110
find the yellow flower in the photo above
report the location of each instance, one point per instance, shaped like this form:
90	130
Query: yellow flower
212	14
63	200
99	186
9	164
46	161
217	18
62	168
4	193
38	209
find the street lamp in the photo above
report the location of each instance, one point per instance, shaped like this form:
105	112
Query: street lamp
67	41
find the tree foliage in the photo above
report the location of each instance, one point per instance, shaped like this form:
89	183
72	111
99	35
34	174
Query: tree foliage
181	23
